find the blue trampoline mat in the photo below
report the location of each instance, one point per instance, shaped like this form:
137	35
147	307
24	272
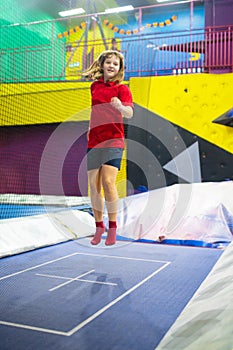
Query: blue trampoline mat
74	296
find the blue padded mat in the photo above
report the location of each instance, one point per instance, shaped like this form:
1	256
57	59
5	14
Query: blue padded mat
74	296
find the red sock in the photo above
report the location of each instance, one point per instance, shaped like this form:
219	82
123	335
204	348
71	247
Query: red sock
112	224
99	224
100	228
111	237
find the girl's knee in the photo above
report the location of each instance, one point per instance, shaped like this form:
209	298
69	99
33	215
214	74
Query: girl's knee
109	185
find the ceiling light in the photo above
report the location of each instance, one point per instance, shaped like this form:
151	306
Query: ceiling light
120	9
73	12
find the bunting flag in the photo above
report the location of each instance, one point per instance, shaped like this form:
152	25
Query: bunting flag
111	26
167	22
72	31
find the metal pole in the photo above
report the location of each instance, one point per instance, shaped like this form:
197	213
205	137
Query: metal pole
191	15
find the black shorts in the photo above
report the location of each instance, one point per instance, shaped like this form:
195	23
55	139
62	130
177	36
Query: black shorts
96	157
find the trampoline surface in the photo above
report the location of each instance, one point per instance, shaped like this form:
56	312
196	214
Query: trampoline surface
75	296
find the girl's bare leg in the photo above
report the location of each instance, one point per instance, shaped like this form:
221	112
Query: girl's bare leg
109	174
97	202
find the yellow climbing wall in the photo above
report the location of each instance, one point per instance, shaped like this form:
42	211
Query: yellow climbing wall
40	103
191	102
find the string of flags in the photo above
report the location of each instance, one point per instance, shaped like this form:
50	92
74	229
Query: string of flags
72	31
167	22
111	26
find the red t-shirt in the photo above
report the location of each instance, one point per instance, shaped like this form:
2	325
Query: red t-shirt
106	124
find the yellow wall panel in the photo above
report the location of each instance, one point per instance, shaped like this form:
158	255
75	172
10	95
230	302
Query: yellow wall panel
191	101
140	88
40	103
122	177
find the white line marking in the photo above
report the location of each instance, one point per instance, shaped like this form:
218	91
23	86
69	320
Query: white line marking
54	276
91	318
98	282
124	257
106	307
86	254
77	279
38	329
35	267
71	280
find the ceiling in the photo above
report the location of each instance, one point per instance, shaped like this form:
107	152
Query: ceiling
101	5
52	7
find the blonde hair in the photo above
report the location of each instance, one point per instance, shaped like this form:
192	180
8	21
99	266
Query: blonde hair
95	71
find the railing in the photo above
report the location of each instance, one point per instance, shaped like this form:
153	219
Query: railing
205	50
173	53
219	49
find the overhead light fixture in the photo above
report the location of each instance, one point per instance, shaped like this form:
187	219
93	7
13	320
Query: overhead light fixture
164	0
73	12
120	9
